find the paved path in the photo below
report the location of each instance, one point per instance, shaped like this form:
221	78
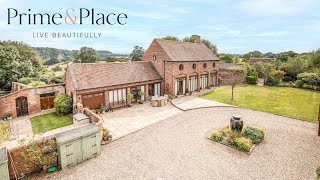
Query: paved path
191	102
125	121
177	148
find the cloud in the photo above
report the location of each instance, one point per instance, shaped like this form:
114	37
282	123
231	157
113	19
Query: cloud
273	7
179	10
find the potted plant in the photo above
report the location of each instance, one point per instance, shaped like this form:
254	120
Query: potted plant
105	133
9	116
129	99
141	94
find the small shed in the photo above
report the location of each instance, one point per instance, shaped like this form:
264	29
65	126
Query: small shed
78	145
80	119
4	171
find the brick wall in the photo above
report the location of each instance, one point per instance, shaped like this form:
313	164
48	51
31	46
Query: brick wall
172	72
16	160
70	86
161	56
8	102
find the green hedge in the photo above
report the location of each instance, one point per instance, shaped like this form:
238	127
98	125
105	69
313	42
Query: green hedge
63	104
252	79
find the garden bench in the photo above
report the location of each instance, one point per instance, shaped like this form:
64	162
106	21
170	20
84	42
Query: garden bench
117	104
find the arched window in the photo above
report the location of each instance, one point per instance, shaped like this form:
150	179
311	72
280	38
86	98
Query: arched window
205	65
154	57
181	67
194	66
214	64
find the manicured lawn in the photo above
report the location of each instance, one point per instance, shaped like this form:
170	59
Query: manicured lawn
47	122
292	102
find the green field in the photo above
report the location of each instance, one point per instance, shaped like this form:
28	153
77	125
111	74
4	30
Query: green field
47	122
297	103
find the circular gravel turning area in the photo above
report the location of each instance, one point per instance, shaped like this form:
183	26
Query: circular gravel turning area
177	148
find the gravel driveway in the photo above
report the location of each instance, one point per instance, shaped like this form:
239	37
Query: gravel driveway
177	148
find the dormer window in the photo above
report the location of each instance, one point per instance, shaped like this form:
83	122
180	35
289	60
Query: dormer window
154	57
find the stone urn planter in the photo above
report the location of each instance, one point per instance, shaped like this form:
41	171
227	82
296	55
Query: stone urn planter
236	123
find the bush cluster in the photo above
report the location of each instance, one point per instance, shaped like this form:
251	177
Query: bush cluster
216	136
255	134
271	81
25	80
63	104
243	144
252	79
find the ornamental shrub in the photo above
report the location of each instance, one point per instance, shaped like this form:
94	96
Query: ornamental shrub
63	104
252	79
271	81
25	80
255	134
299	83
37	83
216	136
243	144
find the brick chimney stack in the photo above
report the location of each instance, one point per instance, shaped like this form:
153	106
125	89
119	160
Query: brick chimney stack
195	38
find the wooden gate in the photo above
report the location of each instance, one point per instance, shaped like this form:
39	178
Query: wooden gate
21	106
47	101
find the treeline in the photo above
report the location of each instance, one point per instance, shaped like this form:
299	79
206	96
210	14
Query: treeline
289	69
53	56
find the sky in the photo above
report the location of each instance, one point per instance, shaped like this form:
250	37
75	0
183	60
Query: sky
234	26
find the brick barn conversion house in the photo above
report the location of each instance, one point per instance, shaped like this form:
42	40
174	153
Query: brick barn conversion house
168	67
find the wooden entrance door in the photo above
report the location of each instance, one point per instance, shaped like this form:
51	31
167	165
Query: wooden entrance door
21	106
47	101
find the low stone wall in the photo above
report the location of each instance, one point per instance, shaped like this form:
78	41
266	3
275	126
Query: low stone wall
18	165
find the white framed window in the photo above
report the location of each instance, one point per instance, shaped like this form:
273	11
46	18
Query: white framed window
117	95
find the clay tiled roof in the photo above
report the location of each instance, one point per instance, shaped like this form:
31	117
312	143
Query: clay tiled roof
187	51
228	65
96	75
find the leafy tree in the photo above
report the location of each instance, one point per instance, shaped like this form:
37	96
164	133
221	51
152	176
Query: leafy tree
86	55
227	58
206	42
251	54
284	56
315	59
269	55
173	38
17	60
51	61
296	65
63	104
236	59
137	53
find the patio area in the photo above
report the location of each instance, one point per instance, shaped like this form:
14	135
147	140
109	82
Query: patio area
124	121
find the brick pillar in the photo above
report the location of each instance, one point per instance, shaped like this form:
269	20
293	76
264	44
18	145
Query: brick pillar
146	91
106	98
198	83
187	83
209	80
